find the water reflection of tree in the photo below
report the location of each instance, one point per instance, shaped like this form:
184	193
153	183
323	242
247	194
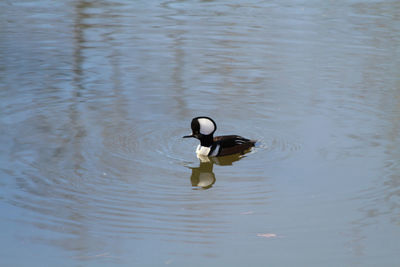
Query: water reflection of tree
382	201
53	138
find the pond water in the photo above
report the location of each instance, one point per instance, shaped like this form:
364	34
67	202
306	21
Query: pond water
96	95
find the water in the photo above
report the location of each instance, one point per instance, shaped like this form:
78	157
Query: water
95	97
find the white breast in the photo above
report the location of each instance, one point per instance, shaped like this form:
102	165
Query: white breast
203	150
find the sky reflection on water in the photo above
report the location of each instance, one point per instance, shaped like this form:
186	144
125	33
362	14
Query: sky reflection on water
95	97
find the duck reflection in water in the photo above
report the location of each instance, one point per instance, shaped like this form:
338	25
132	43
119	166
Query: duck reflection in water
203	176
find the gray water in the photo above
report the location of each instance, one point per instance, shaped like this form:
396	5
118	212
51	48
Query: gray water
96	95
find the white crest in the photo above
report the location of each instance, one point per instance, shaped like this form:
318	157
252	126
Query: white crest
206	126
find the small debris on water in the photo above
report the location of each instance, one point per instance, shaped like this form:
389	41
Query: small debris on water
267	235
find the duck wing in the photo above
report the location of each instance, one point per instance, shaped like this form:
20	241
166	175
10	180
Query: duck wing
232	144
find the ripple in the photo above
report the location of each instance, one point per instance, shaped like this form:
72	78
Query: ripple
136	182
276	145
144	146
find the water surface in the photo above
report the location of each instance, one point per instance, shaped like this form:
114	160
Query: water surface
95	97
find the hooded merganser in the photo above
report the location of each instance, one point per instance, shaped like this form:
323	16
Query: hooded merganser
203	128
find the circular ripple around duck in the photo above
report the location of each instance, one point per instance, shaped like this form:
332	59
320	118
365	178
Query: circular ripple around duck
136	182
148	147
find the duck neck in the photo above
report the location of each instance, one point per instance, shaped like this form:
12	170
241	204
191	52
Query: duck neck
207	140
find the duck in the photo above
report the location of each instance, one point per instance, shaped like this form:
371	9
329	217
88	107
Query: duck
203	129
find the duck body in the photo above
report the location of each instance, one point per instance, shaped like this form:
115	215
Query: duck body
225	145
203	128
